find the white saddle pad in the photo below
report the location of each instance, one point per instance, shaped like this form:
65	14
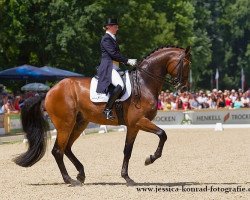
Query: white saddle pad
98	97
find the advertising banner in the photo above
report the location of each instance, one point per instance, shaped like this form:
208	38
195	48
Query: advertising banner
205	116
224	116
167	118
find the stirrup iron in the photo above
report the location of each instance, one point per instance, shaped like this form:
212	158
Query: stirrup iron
108	114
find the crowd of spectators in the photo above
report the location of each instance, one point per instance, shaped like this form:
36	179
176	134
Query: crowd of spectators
10	103
215	99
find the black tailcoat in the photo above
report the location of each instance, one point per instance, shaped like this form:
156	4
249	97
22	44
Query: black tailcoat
110	51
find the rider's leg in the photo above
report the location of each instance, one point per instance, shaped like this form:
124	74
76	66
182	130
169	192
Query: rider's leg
116	79
119	86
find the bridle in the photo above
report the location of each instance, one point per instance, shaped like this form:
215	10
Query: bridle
177	81
161	79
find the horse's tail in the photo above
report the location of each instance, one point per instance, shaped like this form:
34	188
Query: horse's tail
35	126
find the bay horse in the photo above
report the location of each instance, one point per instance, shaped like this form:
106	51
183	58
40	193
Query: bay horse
69	107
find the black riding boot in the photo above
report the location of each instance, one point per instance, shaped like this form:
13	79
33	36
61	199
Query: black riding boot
115	95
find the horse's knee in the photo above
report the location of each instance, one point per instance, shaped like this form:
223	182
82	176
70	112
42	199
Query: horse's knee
162	135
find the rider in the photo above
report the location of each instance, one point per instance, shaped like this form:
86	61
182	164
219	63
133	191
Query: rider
107	71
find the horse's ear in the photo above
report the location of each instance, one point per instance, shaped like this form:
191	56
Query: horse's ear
188	49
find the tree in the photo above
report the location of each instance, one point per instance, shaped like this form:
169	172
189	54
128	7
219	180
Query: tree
67	34
236	21
201	50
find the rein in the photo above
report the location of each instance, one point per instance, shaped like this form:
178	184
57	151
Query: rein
160	79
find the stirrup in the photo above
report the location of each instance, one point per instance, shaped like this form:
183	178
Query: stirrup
108	114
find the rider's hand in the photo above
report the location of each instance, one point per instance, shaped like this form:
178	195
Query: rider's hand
132	62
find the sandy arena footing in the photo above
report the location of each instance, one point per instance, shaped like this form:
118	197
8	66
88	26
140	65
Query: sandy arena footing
196	164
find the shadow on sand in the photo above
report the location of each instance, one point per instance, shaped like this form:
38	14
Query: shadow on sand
144	184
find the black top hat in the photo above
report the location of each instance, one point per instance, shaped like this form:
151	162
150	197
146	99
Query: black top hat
111	21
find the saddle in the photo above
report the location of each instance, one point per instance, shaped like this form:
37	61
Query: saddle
98	97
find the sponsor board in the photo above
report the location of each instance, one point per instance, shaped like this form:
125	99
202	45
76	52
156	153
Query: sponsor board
224	116
171	117
233	116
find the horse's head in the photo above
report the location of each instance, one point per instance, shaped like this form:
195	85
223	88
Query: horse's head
170	60
179	67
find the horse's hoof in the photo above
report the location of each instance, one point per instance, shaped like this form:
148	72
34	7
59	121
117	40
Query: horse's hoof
148	161
81	178
130	182
74	183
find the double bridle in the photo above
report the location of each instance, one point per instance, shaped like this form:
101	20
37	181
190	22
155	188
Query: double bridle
161	79
175	81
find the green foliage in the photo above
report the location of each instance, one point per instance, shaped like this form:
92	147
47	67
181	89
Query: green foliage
67	34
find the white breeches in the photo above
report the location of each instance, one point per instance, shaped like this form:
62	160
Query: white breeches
116	79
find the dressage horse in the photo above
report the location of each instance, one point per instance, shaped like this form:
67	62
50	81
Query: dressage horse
70	109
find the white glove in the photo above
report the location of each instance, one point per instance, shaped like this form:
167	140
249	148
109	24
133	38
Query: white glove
132	62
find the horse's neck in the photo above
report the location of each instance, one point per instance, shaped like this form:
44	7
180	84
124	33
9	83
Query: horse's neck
157	65
152	77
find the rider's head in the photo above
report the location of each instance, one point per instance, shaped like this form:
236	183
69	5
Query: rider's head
111	25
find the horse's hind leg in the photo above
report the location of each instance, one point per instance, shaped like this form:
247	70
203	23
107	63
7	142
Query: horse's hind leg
76	132
146	125
64	129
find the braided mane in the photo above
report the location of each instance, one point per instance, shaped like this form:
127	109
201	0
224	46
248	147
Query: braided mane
157	49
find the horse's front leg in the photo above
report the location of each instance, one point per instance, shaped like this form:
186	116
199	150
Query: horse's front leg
129	143
146	125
